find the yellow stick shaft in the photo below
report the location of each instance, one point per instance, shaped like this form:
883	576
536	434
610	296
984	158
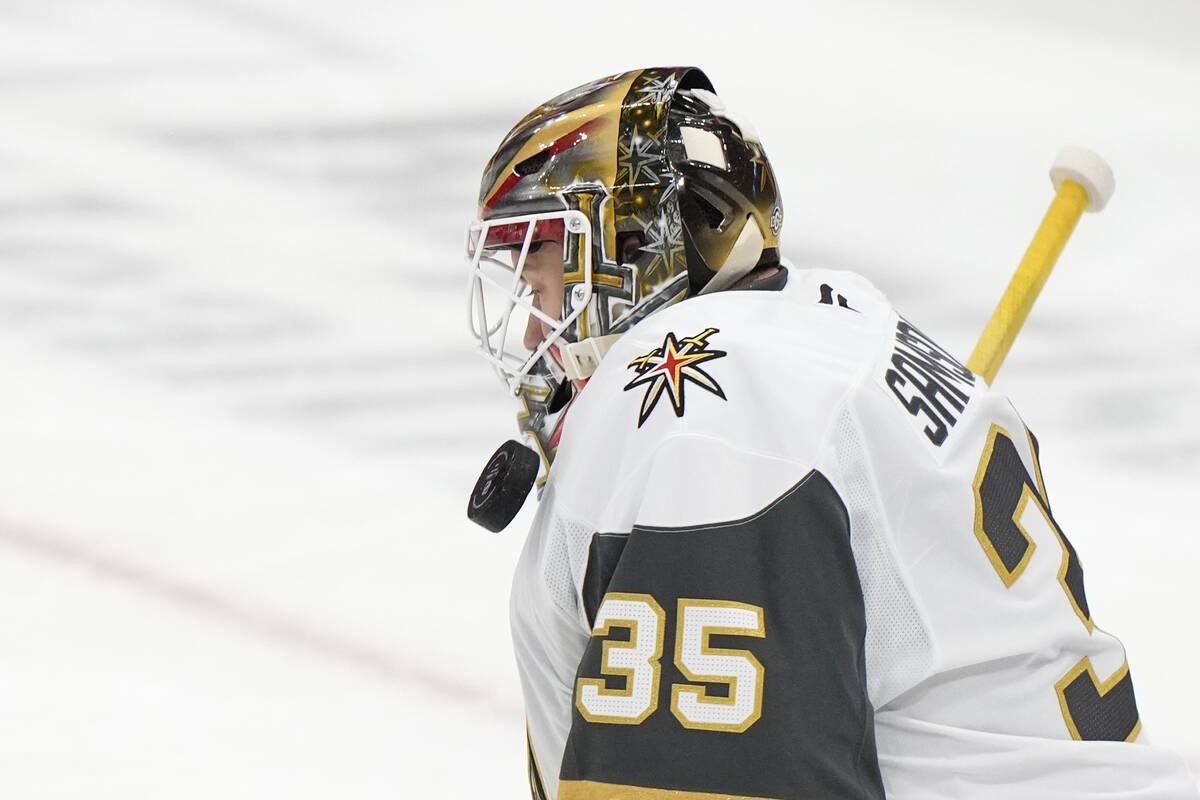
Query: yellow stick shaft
1060	220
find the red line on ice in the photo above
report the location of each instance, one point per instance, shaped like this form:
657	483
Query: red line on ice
264	623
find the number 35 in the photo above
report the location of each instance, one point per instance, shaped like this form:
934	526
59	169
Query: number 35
638	662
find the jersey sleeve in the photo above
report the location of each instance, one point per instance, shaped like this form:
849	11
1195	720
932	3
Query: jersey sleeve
726	658
982	645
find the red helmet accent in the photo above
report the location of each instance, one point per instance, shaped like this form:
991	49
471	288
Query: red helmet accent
513	233
564	142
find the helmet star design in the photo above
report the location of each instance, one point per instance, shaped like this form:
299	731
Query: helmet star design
654	192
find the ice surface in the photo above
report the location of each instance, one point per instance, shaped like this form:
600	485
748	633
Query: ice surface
238	412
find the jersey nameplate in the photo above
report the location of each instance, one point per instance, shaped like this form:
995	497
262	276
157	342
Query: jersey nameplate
931	385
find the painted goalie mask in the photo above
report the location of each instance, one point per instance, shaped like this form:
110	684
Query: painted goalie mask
648	189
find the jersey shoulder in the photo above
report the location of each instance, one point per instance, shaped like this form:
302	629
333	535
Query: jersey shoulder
723	396
712	361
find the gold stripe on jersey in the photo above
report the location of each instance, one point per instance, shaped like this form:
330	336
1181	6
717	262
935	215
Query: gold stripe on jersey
594	790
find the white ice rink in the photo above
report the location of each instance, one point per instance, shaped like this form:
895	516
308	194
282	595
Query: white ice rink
239	416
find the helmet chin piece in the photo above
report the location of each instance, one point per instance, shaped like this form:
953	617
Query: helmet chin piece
544	395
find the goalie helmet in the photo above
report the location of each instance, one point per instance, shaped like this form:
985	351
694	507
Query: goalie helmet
654	192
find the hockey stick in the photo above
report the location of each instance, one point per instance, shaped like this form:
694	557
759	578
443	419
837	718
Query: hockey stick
1082	181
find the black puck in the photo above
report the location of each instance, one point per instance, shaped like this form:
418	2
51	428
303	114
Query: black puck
503	486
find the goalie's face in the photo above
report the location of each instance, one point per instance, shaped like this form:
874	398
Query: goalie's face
543	274
519	307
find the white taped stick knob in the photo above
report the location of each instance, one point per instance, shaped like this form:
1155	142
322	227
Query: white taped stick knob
1088	170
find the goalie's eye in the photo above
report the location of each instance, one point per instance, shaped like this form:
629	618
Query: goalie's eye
516	248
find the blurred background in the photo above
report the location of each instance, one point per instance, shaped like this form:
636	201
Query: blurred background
239	414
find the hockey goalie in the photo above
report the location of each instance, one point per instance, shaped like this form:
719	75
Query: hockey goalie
786	546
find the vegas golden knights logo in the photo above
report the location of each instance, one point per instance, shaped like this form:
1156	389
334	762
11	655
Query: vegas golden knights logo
666	370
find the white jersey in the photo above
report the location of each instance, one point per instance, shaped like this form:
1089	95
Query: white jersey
790	548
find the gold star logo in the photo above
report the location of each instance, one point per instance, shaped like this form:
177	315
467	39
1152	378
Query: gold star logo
668	369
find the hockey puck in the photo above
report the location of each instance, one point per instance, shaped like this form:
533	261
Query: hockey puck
503	486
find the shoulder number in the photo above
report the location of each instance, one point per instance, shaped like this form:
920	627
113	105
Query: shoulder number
1092	708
